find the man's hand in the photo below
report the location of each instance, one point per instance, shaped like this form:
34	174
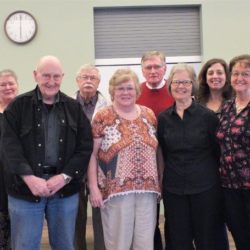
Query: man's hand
37	185
55	183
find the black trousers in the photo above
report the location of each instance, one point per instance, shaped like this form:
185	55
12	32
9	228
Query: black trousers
157	236
81	219
192	219
81	223
237	206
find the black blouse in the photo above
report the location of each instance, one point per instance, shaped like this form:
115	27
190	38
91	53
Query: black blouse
190	150
3	195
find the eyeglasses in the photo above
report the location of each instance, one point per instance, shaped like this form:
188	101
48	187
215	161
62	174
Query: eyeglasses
155	67
85	77
124	89
185	83
55	77
244	74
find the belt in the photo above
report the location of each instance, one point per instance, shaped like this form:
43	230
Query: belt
49	170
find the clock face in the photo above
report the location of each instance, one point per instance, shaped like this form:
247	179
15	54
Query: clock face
20	27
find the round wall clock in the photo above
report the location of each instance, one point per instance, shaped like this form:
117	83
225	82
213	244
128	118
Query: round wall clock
20	27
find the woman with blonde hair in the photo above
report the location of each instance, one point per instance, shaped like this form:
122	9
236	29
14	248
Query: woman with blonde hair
123	175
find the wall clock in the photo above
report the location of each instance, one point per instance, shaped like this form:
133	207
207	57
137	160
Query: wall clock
20	27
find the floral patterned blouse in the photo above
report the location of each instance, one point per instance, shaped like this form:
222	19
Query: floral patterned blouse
234	138
127	155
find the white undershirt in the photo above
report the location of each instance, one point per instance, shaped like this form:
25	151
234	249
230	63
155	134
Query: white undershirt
158	86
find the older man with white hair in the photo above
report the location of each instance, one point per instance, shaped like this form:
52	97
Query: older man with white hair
47	145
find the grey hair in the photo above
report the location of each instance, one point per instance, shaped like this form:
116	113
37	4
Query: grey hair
149	54
8	72
183	67
88	67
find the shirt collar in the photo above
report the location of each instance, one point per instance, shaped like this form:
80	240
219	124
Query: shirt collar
190	109
40	97
163	82
91	101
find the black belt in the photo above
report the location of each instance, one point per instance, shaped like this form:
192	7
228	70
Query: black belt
49	170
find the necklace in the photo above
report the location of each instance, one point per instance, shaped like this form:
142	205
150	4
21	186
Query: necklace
239	107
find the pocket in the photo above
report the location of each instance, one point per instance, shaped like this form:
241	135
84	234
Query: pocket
73	128
25	131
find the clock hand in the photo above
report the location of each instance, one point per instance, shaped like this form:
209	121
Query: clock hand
20	27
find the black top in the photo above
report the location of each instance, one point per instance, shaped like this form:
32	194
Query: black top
190	150
50	127
3	195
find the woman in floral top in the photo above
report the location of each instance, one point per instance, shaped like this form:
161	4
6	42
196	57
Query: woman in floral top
234	137
123	175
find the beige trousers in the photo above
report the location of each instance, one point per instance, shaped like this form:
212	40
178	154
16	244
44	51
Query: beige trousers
129	222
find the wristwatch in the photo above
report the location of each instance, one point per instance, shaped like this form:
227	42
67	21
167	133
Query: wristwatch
66	178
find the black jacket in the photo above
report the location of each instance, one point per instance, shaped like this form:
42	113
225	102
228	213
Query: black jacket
23	143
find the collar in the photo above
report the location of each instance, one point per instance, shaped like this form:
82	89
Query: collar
162	83
40	97
91	101
190	109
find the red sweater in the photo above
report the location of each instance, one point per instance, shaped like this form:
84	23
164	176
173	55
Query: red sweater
156	99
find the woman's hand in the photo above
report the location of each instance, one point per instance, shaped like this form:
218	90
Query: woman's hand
95	197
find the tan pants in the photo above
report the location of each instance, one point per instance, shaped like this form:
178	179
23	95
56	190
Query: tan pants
129	222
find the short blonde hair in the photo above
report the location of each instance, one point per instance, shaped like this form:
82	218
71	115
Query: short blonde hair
183	67
123	75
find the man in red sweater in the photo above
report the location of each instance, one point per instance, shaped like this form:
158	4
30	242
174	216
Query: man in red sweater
154	94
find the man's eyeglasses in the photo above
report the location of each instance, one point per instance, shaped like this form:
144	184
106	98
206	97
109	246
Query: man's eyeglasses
185	83
155	67
85	78
244	74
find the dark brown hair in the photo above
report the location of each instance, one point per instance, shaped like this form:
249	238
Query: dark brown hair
203	90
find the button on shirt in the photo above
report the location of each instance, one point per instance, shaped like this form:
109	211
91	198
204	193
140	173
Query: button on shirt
190	150
88	106
51	127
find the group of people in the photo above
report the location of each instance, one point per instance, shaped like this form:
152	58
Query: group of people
185	140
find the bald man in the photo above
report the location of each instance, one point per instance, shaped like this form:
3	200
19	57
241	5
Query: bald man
47	145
